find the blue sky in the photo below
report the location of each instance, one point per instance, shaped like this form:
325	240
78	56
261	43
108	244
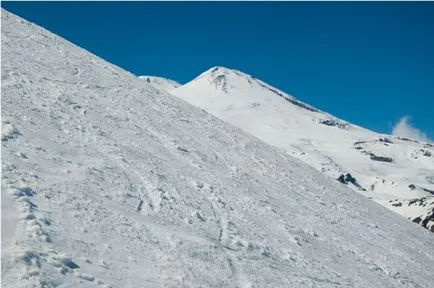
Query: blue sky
369	63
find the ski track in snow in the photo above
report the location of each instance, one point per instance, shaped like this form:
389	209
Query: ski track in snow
118	184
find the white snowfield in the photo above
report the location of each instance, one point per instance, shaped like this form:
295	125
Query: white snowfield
160	82
109	182
396	172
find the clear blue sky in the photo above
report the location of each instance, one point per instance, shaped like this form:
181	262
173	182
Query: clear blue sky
366	62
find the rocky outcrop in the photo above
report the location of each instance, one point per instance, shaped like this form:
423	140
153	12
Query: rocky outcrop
334	123
426	219
380	158
385	140
348	178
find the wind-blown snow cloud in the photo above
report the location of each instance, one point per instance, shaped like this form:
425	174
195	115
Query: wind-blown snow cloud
404	129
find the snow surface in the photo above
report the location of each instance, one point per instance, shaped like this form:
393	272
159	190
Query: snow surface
160	82
329	144
115	183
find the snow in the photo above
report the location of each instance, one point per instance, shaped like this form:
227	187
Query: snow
9	222
327	143
125	185
160	82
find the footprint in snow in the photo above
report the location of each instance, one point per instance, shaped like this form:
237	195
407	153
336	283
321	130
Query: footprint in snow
182	149
22	155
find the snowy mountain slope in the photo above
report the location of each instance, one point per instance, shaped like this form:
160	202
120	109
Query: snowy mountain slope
382	167
113	183
160	82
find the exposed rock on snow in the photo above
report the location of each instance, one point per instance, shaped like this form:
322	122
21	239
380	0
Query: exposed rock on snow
380	158
348	178
334	123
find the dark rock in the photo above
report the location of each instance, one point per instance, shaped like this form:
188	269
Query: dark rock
426	220
417	220
412	186
334	123
407	139
293	101
221	81
386	140
411	202
348	178
380	158
341	179
428	190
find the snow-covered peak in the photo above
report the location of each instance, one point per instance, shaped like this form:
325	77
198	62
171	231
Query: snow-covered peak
160	82
216	71
222	80
386	167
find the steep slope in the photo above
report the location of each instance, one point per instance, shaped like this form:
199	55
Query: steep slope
160	83
387	169
114	183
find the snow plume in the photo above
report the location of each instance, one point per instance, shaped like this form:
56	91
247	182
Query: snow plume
404	129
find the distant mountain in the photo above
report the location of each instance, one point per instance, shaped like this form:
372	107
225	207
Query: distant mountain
160	83
108	181
396	172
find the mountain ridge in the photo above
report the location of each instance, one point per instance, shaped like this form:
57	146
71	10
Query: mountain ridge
320	139
115	183
160	82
